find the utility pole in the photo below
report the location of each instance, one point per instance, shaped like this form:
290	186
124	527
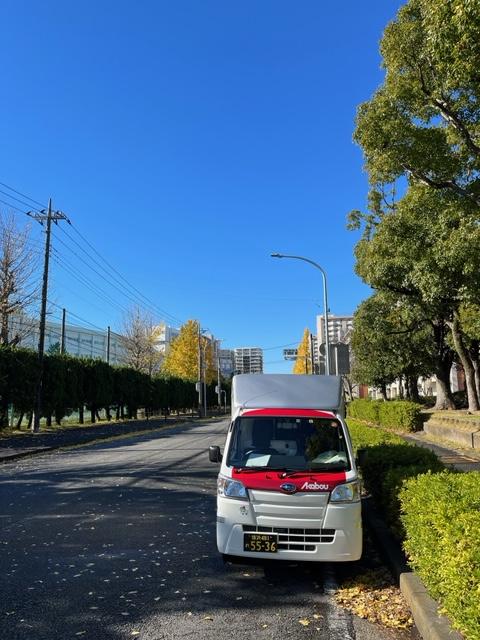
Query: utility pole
199	383
48	216
62	335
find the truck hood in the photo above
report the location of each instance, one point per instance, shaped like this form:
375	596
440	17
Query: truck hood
306	481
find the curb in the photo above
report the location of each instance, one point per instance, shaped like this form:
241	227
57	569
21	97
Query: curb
425	610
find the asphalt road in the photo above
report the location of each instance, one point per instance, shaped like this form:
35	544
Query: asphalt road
117	540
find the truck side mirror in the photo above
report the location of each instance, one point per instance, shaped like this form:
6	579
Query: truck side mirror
361	458
214	454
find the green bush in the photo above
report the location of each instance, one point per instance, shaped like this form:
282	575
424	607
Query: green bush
365	409
387	465
435	512
441	517
364	435
393	414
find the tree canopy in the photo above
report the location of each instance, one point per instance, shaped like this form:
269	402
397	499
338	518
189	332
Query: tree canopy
303	363
422	122
140	334
188	352
420	138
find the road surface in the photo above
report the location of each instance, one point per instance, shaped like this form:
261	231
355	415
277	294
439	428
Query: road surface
117	540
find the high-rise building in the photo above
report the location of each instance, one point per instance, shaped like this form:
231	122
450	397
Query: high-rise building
248	360
339	328
227	362
339	332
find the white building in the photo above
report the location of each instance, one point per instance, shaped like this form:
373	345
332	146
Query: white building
339	327
227	362
248	360
78	341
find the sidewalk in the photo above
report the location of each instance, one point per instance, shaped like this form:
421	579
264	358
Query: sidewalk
25	444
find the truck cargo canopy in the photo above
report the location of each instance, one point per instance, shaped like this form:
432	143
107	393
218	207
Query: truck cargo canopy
280	390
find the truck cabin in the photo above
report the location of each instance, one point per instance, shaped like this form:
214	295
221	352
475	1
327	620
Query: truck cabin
293	443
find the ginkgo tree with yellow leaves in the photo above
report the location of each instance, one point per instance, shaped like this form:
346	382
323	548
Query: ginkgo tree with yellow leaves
187	351
303	363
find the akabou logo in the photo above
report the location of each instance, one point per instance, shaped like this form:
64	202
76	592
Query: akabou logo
314	486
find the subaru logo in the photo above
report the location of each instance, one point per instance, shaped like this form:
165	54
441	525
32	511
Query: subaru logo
288	488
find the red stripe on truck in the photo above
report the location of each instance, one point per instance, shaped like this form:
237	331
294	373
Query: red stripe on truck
298	413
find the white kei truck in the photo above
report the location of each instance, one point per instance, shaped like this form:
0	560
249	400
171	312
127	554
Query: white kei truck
288	487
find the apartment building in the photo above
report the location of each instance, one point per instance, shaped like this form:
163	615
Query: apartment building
248	360
339	328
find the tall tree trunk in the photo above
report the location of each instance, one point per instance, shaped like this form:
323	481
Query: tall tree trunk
383	388
475	358
467	365
443	364
412	388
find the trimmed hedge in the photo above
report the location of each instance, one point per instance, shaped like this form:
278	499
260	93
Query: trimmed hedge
441	518
393	414
364	435
387	466
434	512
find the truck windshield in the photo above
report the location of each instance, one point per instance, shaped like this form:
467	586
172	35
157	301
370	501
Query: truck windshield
288	443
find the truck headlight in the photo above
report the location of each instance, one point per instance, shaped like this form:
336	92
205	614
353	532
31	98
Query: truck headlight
349	492
231	488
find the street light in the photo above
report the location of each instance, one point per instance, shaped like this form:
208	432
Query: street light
327	341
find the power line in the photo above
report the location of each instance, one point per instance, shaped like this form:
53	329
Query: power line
132	288
106	277
23	195
281	346
133	295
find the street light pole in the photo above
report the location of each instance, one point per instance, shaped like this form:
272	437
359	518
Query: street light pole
327	340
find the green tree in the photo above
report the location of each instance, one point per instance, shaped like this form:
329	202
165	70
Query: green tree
429	252
19	378
423	122
374	364
98	386
53	349
53	385
420	131
390	341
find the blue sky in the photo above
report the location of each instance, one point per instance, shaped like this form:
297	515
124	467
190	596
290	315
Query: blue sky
186	141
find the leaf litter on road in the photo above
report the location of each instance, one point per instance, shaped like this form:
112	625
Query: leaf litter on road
375	597
373	594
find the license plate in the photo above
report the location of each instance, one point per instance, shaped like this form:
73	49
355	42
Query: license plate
260	542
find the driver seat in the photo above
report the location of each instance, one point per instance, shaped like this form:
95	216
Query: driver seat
262	435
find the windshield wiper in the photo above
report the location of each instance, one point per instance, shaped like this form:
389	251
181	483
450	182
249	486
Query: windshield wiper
292	472
330	467
308	472
266	469
249	468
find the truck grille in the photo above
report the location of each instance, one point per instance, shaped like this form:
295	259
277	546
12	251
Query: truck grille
296	539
